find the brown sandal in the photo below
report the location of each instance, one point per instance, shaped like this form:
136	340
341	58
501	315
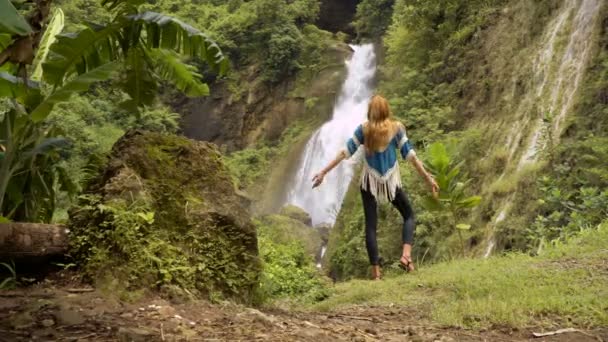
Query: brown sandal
376	274
406	263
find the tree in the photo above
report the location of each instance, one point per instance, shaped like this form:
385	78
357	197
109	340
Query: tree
452	197
145	46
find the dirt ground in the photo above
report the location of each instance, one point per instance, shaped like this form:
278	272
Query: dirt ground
75	312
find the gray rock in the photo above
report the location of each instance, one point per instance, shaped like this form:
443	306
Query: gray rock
69	317
134	335
22	320
48	323
261	317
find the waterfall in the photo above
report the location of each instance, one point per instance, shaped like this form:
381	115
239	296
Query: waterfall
557	76
323	203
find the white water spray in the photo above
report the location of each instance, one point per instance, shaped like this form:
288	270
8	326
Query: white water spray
323	203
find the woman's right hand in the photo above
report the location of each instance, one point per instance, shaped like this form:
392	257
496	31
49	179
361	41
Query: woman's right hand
318	179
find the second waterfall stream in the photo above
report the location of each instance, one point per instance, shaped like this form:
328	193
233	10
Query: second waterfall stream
350	110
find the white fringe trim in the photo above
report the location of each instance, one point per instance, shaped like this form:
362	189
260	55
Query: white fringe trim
383	187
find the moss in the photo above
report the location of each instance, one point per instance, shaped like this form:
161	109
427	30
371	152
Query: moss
286	230
153	218
297	214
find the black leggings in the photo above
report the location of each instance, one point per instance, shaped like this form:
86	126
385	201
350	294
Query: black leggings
371	221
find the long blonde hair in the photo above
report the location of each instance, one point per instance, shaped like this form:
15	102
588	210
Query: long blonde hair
380	127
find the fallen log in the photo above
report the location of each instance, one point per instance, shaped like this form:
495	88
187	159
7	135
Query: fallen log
31	240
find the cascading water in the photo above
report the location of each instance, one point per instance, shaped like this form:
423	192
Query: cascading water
323	203
557	78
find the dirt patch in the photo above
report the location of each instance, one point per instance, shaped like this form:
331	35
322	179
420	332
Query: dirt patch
67	311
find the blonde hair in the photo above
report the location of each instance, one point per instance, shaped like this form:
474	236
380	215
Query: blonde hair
380	128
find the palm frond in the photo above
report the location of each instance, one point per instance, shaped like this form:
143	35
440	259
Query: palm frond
184	76
166	32
138	82
78	53
11	22
47	145
14	87
74	86
54	27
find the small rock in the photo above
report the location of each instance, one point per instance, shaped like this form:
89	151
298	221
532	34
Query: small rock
68	317
48	323
311	334
359	339
127	315
177	316
22	321
371	331
134	335
166	311
261	317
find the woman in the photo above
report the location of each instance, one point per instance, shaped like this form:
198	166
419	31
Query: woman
380	179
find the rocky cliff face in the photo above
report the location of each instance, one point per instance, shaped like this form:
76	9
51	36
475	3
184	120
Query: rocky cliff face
337	15
257	111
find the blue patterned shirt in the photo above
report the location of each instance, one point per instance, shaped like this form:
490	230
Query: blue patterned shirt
383	161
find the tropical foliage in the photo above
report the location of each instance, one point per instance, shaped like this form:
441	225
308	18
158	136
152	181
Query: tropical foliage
452	197
144	46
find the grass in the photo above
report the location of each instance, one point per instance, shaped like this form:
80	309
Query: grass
566	285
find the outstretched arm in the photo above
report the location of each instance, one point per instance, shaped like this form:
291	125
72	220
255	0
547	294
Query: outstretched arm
351	147
318	178
427	176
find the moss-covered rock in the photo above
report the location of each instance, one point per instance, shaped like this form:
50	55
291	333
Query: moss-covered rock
164	212
297	213
285	230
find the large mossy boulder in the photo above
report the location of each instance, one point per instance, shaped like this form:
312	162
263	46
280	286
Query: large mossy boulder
285	230
163	214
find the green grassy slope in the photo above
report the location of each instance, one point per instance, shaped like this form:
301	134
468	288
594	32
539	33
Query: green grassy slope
567	284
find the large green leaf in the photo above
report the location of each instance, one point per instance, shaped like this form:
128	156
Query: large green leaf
470	202
138	81
54	27
11	22
431	203
5	40
439	158
165	32
78	84
46	145
463	226
182	75
81	52
14	88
